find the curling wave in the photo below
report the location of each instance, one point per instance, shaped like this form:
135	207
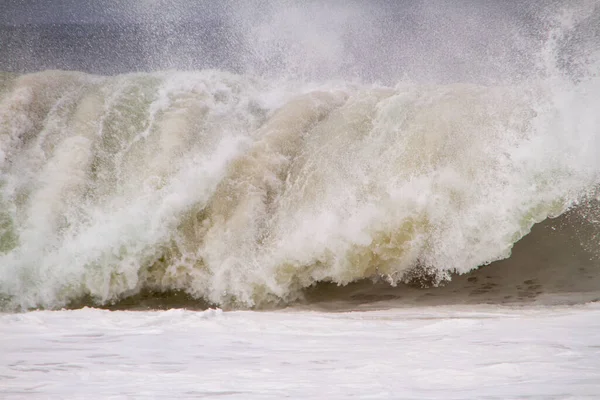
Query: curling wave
244	192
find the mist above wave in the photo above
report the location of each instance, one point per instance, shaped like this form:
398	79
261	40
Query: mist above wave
479	42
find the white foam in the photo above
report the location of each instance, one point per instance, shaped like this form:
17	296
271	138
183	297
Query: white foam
434	353
243	191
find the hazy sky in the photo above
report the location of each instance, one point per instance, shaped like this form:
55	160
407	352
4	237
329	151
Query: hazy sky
18	12
40	11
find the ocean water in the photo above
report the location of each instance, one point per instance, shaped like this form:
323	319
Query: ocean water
381	201
412	353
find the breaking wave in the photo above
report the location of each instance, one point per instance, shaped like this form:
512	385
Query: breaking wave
245	191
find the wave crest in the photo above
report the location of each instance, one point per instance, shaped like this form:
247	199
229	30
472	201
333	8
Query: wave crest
244	192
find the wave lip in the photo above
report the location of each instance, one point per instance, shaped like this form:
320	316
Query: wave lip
244	192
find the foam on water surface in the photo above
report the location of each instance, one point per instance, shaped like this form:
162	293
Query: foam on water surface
436	353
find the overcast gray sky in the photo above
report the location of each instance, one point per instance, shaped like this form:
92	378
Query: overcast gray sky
41	11
18	12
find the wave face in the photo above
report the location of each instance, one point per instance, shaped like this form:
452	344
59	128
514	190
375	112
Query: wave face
245	189
243	192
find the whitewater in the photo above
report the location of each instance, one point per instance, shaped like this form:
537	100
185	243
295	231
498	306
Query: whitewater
289	229
243	192
415	353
